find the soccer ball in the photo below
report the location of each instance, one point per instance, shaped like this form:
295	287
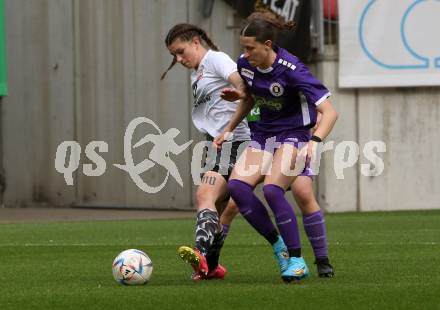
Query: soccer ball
132	267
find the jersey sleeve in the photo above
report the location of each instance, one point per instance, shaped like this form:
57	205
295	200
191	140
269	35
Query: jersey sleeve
223	65
239	62
312	89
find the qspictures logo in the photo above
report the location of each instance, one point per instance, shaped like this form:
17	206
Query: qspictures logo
163	146
164	149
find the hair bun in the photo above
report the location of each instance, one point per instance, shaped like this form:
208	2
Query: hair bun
290	25
271	17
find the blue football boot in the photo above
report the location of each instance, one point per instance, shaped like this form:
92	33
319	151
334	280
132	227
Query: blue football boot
281	254
296	270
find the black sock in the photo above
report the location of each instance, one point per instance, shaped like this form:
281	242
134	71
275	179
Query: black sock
294	252
214	251
272	237
322	260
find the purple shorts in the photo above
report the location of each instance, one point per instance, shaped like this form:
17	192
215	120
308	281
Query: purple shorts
270	142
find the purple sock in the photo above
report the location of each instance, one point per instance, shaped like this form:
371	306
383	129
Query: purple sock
225	229
284	215
251	208
314	225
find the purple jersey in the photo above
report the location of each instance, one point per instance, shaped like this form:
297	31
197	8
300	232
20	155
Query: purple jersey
277	94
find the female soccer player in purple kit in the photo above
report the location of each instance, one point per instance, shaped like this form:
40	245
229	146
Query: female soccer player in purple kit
274	79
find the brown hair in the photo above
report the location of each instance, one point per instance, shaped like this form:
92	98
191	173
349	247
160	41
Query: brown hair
186	32
264	25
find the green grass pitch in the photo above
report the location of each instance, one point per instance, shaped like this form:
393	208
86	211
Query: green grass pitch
382	261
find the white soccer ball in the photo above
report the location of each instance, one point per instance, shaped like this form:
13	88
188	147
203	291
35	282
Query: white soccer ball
132	267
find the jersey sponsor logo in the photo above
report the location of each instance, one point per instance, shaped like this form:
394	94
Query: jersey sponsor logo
276	89
255	111
194	88
202	100
254	114
272	104
247	73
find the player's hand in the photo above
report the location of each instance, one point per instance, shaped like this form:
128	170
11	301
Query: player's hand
231	94
221	138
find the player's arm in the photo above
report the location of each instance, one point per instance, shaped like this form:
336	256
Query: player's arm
245	105
315	92
318	120
238	91
329	115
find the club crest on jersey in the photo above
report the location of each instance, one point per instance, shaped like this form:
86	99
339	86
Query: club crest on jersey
276	89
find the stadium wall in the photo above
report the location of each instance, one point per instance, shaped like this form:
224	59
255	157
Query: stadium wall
405	119
82	70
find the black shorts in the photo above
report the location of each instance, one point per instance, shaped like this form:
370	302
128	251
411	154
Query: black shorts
226	157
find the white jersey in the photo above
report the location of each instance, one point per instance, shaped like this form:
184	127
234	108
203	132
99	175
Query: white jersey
211	114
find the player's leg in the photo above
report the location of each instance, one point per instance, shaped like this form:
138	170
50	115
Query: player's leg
227	216
241	188
245	176
275	184
314	222
225	206
228	210
208	227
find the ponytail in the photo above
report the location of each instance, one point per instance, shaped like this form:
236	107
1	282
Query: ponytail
169	68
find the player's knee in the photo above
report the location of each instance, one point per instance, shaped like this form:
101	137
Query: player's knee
204	197
304	195
306	200
237	189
